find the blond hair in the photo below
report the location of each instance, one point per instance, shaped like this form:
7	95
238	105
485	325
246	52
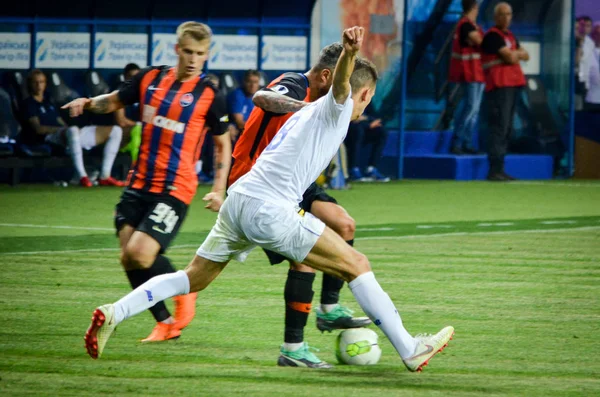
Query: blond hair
196	30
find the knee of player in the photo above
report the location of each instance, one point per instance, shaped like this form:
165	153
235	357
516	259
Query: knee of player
359	265
73	132
346	227
136	257
116	132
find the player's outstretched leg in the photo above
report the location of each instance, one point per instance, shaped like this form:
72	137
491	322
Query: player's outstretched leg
332	255
197	276
298	296
331	314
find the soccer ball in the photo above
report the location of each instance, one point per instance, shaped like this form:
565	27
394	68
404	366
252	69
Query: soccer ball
357	347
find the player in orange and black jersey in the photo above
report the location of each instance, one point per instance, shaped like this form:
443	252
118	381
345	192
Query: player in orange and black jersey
178	105
274	106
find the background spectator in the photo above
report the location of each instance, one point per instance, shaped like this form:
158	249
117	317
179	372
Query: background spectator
240	100
367	129
466	70
592	99
503	78
580	90
44	125
585	28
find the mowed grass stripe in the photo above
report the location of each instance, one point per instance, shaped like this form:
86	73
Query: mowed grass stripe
526	325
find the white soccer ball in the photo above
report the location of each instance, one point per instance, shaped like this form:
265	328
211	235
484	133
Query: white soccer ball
357	347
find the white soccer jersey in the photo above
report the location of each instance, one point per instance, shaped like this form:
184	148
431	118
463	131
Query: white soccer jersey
299	152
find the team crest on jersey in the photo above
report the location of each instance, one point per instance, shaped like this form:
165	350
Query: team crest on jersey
186	100
280	89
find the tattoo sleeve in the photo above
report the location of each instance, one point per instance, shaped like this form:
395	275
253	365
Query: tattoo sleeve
277	103
100	104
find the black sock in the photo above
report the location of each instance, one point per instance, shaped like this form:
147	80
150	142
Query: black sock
330	291
137	277
298	296
161	265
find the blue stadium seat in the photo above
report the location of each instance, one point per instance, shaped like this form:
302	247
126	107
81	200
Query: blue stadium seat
16	86
59	92
95	84
227	83
9	128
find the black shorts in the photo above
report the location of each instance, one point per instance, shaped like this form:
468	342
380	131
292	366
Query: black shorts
158	215
312	194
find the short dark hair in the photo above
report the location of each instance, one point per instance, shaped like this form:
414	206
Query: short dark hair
584	18
329	56
251	72
468	5
31	76
130	67
365	72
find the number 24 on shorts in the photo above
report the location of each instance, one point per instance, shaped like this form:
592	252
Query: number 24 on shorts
165	214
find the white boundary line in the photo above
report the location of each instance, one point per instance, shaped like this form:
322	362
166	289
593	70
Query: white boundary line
416	236
83	250
56	227
596	185
480	233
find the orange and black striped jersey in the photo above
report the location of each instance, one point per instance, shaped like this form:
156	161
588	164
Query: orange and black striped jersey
174	117
262	126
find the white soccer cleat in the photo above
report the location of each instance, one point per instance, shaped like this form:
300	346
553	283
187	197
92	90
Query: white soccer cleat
102	326
427	346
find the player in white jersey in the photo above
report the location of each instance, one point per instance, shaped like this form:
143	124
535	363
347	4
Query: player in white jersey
261	210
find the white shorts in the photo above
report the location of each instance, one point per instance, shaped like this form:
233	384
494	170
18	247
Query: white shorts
87	137
245	222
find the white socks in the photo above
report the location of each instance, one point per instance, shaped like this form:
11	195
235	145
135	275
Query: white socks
111	148
74	145
292	347
150	293
381	310
328	308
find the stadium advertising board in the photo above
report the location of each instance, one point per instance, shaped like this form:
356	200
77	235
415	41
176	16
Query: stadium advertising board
163	49
62	50
115	50
233	52
284	53
15	50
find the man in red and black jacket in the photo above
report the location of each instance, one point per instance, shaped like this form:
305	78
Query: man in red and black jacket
466	70
501	54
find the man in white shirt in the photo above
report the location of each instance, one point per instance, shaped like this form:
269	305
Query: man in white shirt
592	99
585	28
262	210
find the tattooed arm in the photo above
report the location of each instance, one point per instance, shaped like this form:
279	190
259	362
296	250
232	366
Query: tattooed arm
270	101
106	103
216	197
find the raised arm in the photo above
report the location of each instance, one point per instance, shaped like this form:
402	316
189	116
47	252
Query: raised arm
270	101
352	41
106	103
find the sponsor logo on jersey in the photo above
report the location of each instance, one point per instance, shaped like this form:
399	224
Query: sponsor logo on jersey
186	100
150	117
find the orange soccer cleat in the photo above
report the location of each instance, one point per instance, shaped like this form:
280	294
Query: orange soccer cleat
162	332
85	182
185	310
110	181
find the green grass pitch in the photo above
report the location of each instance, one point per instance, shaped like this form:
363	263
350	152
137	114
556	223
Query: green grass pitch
515	268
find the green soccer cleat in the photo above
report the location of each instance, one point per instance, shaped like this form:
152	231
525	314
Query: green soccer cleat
102	327
339	318
302	357
427	346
